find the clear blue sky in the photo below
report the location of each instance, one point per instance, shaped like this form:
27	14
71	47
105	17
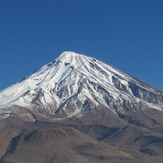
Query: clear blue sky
127	34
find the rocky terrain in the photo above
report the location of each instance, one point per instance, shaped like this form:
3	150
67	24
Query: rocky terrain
78	109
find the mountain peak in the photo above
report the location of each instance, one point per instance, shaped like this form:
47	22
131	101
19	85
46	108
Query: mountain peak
71	59
69	55
74	84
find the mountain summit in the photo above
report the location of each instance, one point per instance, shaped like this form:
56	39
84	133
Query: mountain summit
74	85
78	109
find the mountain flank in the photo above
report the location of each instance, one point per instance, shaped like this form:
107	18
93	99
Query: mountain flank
78	109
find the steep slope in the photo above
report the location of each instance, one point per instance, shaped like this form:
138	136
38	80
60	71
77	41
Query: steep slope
82	110
74	85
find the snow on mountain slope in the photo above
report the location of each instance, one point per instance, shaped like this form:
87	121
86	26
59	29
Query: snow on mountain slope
73	84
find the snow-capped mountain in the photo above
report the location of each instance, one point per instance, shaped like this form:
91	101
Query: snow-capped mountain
74	85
